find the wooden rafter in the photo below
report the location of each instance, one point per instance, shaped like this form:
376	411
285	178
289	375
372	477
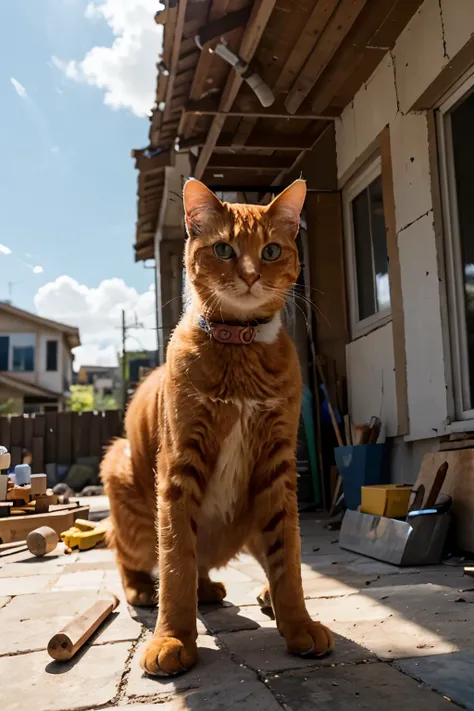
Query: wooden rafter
210	107
261	12
329	42
175	56
263	141
223	161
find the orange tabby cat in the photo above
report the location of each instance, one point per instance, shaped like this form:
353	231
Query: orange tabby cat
218	423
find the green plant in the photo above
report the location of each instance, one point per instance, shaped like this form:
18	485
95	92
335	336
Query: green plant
82	398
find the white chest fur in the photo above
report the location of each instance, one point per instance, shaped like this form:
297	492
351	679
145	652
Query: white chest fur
233	468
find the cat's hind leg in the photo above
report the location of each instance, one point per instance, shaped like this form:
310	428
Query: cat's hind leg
132	534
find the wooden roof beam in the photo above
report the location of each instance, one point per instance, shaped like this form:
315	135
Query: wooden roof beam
210	107
264	141
224	161
178	32
327	45
261	12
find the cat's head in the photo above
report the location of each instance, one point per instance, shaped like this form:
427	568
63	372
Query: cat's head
241	259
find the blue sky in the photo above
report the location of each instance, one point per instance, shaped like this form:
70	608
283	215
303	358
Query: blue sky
68	197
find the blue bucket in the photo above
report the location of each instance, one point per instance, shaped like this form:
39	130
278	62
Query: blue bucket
361	465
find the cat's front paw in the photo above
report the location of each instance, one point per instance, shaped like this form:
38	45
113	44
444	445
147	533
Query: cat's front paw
168	656
308	639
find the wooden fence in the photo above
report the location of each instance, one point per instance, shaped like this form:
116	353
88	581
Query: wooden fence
59	437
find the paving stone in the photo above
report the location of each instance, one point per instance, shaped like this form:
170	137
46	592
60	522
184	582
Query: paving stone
452	675
49	565
227	618
365	566
85	580
243	593
26	585
230	575
245	696
365	686
264	650
214	667
29	621
36	682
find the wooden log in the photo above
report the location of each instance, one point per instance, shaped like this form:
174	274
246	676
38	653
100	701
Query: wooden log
437	485
64	645
42	540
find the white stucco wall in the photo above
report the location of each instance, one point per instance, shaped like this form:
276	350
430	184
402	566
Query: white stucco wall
438	30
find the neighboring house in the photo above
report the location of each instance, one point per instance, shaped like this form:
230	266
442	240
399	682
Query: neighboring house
374	107
35	359
105	379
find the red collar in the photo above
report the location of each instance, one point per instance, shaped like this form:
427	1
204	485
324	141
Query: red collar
241	334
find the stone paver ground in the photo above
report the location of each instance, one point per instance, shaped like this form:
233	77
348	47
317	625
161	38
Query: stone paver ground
404	638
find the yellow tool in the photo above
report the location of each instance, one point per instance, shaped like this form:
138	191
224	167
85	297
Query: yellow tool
83	535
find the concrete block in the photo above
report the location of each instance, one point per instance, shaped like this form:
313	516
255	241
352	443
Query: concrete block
345	140
419	54
91	678
458	21
369	686
427	400
411	168
375	104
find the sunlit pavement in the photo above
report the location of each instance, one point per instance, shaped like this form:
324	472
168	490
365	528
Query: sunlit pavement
404	638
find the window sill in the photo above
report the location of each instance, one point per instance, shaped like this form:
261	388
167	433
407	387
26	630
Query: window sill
364	330
460	426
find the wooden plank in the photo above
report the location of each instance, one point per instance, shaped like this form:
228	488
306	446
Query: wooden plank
317	21
64	438
85	428
261	12
5	432
396	294
28	425
104	430
16	431
336	30
17	455
372	24
326	263
174	59
38	455
95	444
225	161
17	528
459	484
39	425
210	107
76	435
51	451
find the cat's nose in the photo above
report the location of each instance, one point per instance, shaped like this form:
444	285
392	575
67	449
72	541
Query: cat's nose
250	278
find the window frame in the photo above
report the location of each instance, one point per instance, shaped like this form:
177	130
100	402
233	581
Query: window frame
23	348
452	248
355	185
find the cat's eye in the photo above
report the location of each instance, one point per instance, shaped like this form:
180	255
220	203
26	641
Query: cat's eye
271	252
223	250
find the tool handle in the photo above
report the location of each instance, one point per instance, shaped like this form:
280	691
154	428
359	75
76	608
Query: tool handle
436	486
64	645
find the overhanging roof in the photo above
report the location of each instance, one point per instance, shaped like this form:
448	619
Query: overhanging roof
70	332
313	55
16	384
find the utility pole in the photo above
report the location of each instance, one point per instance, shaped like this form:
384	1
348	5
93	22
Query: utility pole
124	362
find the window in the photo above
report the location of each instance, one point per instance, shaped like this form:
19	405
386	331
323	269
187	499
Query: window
4	350
51	355
23	359
456	142
364	224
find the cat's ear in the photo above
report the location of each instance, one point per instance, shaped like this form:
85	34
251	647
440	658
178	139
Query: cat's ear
286	207
200	207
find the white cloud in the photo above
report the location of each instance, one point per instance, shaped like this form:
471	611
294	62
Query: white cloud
97	312
19	88
4	249
38	270
126	71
